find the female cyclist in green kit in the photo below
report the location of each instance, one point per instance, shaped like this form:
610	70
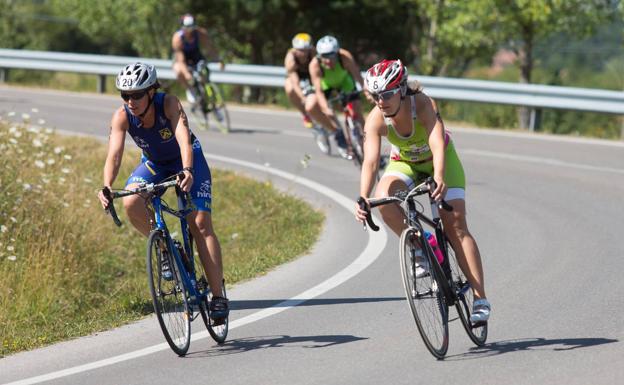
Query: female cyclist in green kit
421	147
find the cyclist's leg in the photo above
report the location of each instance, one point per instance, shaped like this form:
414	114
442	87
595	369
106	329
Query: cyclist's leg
183	75
313	109
295	96
398	176
455	224
200	222
134	205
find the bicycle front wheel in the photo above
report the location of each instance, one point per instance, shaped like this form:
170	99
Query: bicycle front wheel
218	109
424	296
465	299
168	294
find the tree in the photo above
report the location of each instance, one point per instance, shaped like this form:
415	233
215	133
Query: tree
523	22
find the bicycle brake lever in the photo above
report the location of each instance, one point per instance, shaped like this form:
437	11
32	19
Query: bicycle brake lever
369	219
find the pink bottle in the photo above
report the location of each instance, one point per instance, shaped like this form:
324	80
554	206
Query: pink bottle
434	245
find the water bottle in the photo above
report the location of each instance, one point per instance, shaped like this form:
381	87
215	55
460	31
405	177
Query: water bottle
433	242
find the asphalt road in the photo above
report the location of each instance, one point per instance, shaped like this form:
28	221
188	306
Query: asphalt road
546	212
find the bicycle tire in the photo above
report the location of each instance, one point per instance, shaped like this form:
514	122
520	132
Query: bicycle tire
216	105
168	296
465	298
355	138
217	332
199	109
425	298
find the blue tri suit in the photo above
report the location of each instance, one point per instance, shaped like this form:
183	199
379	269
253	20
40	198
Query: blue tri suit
161	155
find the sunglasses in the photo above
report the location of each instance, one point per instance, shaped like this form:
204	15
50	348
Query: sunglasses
386	95
328	55
134	96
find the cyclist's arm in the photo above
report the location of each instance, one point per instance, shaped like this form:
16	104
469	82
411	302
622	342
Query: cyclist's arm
176	46
315	76
349	64
116	140
175	113
430	117
373	130
209	49
291	73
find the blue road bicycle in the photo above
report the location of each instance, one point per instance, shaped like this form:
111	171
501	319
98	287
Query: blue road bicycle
178	296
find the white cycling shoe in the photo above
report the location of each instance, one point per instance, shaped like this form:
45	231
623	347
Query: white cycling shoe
481	309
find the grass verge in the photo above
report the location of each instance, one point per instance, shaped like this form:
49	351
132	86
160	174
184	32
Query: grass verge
68	271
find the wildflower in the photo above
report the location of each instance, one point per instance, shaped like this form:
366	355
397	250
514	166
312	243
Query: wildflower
12	258
12	141
27	187
49	130
3	229
234	236
65	170
37	143
61	180
25	116
67	156
11	113
50	161
13	219
34	109
34	130
58	150
10	248
45	180
88	180
41	122
39	164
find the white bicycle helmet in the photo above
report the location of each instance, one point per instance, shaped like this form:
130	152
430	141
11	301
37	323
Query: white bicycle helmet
187	21
327	45
136	76
302	41
386	75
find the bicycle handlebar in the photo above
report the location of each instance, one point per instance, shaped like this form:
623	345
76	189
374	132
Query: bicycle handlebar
149	188
345	98
400	196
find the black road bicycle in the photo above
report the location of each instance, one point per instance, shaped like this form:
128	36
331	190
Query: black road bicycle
179	296
209	99
442	285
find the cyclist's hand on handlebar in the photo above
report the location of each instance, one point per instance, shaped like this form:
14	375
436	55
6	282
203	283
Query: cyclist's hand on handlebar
440	191
104	196
360	214
185	180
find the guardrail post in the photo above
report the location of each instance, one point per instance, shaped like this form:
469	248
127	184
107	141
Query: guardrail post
535	119
4	75
101	85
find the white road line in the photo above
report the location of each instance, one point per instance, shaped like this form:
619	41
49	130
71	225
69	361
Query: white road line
374	247
540	160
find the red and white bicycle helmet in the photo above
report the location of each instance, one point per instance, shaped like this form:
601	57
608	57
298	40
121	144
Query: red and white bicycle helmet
386	75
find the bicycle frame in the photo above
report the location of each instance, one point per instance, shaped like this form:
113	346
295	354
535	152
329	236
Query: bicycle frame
159	224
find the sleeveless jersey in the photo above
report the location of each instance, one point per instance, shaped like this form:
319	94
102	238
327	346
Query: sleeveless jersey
336	78
192	53
302	67
415	147
158	142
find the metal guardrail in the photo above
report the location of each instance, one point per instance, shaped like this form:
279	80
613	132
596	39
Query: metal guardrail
531	95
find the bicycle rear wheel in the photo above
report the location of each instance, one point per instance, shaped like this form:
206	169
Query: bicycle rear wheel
168	295
216	104
424	296
218	330
465	298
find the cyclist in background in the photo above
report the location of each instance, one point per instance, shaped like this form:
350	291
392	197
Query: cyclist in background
296	62
187	44
333	68
158	125
421	147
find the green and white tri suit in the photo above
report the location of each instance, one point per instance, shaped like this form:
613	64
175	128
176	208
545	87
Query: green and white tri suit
411	158
336	78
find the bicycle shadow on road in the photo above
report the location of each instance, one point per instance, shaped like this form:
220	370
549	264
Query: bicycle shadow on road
530	344
243	345
267	303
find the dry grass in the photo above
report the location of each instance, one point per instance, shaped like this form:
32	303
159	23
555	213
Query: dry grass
68	271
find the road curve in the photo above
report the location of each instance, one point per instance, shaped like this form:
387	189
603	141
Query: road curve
546	212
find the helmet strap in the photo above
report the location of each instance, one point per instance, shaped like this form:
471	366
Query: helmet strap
397	110
149	104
